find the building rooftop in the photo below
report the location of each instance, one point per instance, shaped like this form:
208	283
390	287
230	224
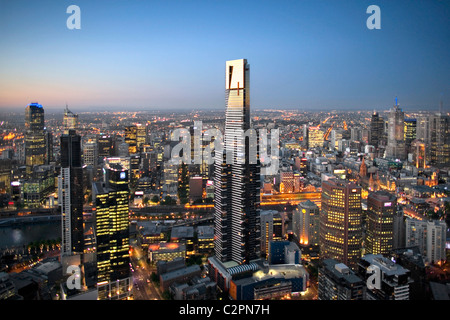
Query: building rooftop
205	232
48	267
387	266
180	272
341	271
182	232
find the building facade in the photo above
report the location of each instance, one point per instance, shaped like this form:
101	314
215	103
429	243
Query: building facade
341	222
237	177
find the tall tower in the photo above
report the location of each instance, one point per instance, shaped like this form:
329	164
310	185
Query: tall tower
70	120
271	229
70	193
35	146
237	174
439	126
381	210
396	137
341	222
305	224
112	230
376	130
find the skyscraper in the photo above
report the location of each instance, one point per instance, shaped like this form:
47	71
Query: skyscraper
315	137
341	222
381	209
396	148
305	224
112	230
376	130
35	146
271	229
440	140
70	193
410	132
237	174
130	138
70	120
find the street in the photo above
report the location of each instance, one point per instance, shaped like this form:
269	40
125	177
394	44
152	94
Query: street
143	288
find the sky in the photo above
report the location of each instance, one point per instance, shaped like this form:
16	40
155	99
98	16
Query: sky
167	54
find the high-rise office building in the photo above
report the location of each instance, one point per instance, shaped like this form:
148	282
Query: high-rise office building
381	209
237	174
70	120
35	145
423	129
396	148
305	224
90	156
338	282
336	136
70	194
130	139
376	129
271	229
410	132
112	230
439	140
429	236
341	222
141	136
390	282
105	146
48	136
136	137
315	137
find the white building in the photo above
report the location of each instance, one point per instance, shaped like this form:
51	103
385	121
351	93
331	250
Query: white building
429	236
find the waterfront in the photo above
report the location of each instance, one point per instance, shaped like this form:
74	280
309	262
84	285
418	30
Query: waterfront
21	235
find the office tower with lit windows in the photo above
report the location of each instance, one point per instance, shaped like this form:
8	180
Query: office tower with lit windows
381	210
237	174
141	136
396	148
410	132
340	235
130	138
35	145
112	231
105	146
305	224
315	137
271	229
70	195
136	137
70	120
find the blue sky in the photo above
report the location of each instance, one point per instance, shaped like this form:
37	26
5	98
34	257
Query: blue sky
161	54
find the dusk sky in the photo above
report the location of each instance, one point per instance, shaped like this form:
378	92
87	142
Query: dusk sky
160	54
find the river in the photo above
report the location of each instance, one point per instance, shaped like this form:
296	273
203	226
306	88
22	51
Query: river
20	235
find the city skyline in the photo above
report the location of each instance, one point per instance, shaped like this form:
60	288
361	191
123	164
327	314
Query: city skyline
135	140
143	56
225	230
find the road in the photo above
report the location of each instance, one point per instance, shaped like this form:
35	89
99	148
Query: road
143	288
